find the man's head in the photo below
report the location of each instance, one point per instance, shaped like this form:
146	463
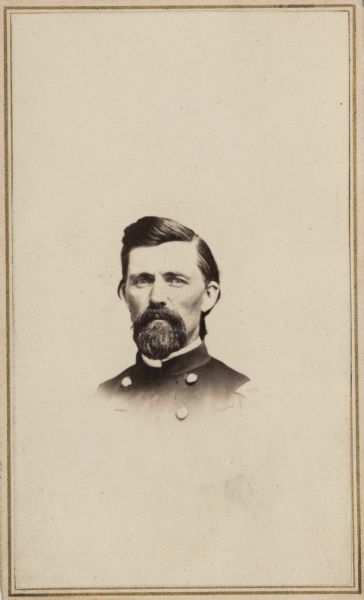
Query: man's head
170	282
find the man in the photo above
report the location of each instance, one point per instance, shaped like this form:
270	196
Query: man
170	282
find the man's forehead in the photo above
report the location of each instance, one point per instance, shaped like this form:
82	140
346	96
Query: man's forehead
170	256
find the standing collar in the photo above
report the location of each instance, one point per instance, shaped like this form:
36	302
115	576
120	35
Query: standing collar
180	362
151	362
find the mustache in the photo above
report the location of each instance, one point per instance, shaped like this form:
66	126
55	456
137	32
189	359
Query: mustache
162	313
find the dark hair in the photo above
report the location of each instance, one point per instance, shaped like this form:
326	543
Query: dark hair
153	231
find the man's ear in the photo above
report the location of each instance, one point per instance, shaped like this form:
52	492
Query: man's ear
121	290
210	297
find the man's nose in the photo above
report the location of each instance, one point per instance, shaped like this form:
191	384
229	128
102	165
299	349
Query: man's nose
158	294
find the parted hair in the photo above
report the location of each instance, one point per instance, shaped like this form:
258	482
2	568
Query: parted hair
153	231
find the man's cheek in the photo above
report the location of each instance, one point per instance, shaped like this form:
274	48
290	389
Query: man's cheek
134	308
192	303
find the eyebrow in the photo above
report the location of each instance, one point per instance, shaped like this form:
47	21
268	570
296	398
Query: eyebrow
134	276
141	274
177	274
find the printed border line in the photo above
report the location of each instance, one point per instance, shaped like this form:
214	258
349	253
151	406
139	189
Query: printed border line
356	302
351	272
7	72
352	236
350	220
193	590
176	7
171	590
196	588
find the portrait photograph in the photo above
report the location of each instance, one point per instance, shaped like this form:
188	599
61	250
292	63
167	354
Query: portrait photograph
182	252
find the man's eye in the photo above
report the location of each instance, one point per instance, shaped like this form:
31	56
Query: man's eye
141	281
176	281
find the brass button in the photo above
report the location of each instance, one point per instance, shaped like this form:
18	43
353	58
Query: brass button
181	413
126	381
191	378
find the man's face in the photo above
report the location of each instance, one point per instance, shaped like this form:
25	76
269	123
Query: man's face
166	278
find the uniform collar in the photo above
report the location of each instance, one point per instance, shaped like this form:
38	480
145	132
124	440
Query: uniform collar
151	362
190	359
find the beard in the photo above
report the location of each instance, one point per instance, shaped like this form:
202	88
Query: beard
158	332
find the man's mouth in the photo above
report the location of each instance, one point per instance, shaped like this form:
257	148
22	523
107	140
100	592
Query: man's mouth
157	317
157	333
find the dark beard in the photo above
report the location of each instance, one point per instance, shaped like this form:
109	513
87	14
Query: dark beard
159	339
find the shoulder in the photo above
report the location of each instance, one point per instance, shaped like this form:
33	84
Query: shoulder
110	386
225	376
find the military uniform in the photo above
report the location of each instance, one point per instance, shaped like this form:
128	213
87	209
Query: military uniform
187	384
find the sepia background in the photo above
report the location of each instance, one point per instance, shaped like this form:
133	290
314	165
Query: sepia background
235	123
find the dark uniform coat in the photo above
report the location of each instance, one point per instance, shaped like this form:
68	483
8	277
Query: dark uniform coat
187	384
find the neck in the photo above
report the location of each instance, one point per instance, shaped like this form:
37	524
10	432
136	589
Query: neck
193	336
